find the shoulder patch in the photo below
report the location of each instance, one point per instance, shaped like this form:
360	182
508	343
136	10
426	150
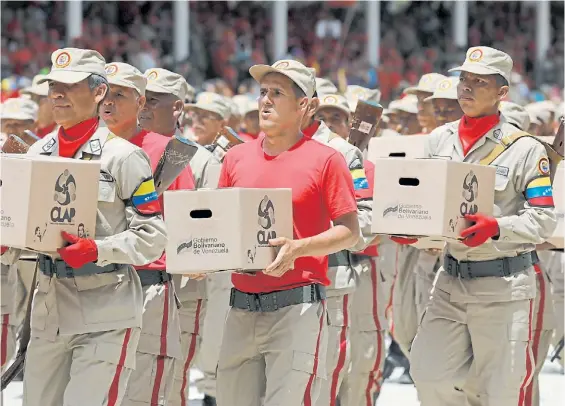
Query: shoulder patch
498	134
47	147
145	200
502	170
359	179
543	166
539	192
356	164
106	177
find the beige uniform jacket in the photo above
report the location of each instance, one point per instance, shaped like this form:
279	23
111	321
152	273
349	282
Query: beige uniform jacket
521	226
200	163
111	300
343	278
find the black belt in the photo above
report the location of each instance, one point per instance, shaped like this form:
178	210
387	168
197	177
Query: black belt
496	267
346	258
60	269
149	277
270	302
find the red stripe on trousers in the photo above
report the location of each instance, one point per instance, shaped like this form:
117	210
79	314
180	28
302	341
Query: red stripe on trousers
4	344
537	330
373	378
163	349
388	309
529	362
191	351
115	386
342	352
308	391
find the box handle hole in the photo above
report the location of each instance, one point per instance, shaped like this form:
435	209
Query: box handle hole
397	155
409	181
201	214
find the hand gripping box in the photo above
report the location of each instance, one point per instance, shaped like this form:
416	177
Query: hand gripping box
212	230
558	237
429	197
42	196
405	146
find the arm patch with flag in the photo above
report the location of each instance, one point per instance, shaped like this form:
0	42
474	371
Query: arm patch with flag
539	192
145	200
359	179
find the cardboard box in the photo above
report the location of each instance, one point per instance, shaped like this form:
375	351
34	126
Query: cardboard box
213	230
405	146
429	197
42	196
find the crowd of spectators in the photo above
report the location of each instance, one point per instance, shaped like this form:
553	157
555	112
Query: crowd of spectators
228	37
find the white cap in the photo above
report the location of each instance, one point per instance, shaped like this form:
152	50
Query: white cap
487	61
19	108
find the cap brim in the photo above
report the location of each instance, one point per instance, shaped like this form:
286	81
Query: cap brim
427	99
16	117
476	68
68	77
258	72
333	106
203	107
123	83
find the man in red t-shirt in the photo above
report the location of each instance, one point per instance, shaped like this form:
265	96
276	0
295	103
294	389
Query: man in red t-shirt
159	346
274	341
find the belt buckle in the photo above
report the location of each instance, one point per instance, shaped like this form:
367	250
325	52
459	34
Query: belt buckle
506	271
453	267
464	270
253	298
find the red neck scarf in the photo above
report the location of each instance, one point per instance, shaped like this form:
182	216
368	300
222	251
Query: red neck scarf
311	129
42	132
472	129
137	139
71	139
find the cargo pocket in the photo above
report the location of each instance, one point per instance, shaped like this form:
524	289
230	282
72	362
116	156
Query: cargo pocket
106	297
336	317
39	312
518	353
366	322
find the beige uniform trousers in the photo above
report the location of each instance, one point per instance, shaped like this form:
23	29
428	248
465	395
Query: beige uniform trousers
368	329
91	369
496	337
425	275
7	330
552	262
159	348
404	311
218	288
338	353
192	312
273	358
389	255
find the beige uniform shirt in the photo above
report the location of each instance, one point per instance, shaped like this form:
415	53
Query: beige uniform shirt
200	164
343	278
521	225
111	300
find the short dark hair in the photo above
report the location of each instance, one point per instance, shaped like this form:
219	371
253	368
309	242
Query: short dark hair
94	81
500	80
298	92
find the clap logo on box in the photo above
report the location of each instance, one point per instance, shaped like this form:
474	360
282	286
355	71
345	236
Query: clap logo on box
470	193
65	194
266	219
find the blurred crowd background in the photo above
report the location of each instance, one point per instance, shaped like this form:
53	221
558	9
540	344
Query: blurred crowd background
227	37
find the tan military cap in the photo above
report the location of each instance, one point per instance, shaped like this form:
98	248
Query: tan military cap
408	104
303	77
19	109
487	61
72	65
36	88
540	111
164	81
122	74
213	102
248	106
325	86
354	93
336	101
515	115
445	89
427	83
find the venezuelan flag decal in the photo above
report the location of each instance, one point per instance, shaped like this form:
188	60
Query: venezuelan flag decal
359	179
145	199
539	192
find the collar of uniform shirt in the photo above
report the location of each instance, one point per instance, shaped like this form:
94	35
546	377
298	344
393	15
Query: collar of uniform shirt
471	129
71	139
311	129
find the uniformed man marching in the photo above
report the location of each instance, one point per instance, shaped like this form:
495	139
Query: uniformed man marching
87	307
159	346
483	298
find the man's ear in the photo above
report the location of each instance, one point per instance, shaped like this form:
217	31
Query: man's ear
100	93
178	108
141	103
503	92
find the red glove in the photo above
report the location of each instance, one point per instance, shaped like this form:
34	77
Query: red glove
81	251
4	249
485	227
404	240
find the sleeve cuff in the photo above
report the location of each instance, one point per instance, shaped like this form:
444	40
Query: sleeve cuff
104	252
504	228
